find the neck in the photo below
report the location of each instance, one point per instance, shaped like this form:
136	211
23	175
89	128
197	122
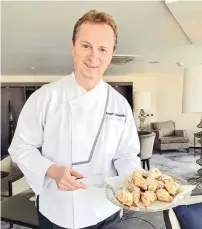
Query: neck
87	83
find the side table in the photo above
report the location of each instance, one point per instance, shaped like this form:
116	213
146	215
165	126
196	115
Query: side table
195	140
198	180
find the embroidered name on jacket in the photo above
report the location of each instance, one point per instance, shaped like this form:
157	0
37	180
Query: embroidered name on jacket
115	114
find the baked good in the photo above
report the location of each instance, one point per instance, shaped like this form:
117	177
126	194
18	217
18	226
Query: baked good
148	197
155	173
137	173
136	194
152	183
145	187
129	184
163	195
171	186
125	197
160	184
140	182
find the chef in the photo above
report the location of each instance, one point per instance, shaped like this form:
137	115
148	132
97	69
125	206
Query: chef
74	132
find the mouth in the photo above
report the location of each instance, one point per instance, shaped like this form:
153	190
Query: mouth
90	66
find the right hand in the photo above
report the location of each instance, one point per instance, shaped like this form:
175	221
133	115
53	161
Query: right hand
65	178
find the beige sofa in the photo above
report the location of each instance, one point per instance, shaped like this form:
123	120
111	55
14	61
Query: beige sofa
168	138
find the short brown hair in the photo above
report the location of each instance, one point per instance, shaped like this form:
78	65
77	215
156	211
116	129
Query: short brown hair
94	16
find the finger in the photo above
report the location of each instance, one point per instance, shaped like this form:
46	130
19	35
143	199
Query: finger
66	187
76	174
75	183
82	185
69	180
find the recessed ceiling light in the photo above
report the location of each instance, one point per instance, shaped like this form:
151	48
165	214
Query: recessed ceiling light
32	68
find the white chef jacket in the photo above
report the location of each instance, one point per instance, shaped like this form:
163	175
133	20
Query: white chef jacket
64	119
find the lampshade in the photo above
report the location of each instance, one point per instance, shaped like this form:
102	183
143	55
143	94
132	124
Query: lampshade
142	100
192	90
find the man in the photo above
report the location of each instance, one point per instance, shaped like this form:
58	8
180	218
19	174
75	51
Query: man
85	129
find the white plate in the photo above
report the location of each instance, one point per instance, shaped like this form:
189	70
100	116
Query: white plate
114	184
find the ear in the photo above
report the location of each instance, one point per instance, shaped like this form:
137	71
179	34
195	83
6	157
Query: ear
72	47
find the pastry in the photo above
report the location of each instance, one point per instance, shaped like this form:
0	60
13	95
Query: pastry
145	187
171	186
145	173
148	198
163	195
136	194
129	184
155	173
125	197
137	173
160	184
140	182
152	183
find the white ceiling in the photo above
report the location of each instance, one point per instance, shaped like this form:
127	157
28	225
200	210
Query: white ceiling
37	34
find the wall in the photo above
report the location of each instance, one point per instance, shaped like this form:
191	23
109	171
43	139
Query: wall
141	82
166	89
169	103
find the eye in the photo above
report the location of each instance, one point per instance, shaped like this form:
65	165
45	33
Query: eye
103	50
85	46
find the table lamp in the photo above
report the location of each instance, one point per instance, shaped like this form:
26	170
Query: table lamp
142	102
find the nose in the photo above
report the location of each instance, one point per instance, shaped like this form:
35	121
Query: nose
93	57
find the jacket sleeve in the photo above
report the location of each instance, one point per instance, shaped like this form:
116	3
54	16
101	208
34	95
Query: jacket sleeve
28	138
126	159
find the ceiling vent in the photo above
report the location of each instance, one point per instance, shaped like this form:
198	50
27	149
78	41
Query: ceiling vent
122	59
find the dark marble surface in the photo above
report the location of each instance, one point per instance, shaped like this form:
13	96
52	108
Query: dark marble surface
182	164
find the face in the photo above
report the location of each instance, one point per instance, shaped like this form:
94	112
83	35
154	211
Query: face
93	50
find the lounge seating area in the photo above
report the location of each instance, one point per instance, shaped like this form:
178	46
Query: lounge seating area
168	138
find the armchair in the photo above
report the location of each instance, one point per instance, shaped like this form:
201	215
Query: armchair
168	138
14	182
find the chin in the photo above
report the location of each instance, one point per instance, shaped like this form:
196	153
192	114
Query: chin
90	76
